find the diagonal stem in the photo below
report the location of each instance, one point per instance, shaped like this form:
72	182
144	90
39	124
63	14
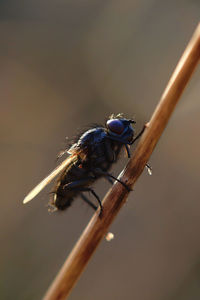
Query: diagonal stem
116	197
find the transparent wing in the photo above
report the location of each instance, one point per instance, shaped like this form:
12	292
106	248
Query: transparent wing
50	177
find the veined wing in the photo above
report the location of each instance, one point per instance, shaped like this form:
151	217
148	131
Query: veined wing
67	162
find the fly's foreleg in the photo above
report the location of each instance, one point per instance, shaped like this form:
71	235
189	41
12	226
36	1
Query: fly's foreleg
127	150
135	139
139	135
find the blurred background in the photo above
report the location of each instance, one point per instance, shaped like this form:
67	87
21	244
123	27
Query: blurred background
66	64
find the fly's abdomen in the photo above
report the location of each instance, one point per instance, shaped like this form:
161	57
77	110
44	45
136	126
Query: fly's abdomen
63	199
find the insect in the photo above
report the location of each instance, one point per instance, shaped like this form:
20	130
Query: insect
90	157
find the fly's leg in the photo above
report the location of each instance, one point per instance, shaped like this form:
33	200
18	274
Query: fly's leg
115	178
88	201
149	169
100	172
135	139
87	189
139	135
79	185
127	150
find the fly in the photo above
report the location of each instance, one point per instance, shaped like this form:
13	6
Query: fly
90	157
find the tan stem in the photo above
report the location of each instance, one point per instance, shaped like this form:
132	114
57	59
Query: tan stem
116	197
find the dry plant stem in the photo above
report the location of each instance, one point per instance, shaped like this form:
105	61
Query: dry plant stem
116	197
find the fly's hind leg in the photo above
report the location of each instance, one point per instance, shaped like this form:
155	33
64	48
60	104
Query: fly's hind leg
88	201
81	186
96	196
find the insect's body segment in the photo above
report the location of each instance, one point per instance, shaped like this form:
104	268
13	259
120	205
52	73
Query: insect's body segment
99	153
98	149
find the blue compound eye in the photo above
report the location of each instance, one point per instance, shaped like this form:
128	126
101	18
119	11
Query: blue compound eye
115	125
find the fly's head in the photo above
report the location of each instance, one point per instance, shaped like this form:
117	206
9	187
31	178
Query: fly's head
120	129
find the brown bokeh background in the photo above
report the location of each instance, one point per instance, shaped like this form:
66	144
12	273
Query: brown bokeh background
66	64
